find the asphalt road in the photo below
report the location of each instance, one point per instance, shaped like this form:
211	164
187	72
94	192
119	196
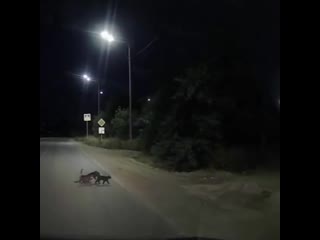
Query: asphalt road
68	209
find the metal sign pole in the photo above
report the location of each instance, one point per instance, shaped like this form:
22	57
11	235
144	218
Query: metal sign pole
87	129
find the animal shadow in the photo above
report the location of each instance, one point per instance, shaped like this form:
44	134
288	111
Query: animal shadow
103	185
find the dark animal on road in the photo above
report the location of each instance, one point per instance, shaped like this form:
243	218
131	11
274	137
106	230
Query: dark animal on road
103	179
87	178
84	179
94	174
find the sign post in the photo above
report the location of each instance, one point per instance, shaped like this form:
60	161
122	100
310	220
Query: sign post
101	123
87	119
87	129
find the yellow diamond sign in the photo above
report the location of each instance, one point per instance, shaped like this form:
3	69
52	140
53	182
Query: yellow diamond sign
101	122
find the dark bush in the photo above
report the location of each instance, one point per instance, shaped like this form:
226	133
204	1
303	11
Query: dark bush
120	124
183	154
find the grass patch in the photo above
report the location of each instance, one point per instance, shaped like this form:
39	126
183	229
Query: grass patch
112	143
118	144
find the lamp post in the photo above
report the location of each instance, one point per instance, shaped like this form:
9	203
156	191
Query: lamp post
105	35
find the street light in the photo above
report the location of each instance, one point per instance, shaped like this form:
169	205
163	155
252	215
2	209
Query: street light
88	79
105	35
85	77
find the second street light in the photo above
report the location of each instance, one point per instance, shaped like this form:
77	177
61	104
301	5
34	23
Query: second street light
105	35
99	91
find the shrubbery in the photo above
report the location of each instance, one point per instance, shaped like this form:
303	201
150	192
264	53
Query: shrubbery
183	154
113	143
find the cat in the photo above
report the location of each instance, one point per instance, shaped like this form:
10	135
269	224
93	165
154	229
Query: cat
103	178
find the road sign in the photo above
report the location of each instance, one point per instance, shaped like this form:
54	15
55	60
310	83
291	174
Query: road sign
87	117
101	130
101	122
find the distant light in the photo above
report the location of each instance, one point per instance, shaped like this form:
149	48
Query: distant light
101	92
107	36
149	99
85	77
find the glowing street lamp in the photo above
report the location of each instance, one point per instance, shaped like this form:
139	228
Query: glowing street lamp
105	35
85	77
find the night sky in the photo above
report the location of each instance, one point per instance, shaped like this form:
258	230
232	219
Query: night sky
165	37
